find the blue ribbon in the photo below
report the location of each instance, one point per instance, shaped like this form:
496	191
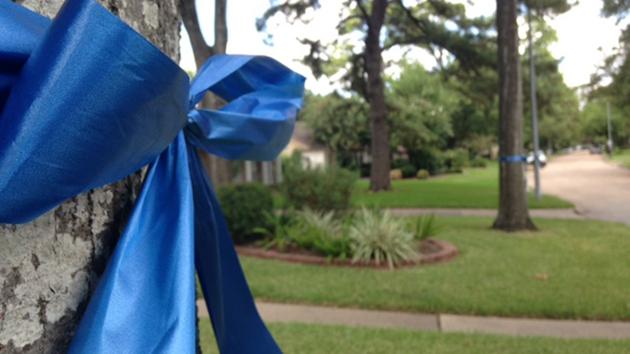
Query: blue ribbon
86	101
513	159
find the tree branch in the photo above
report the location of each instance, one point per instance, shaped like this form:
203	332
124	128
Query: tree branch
220	27
201	50
364	12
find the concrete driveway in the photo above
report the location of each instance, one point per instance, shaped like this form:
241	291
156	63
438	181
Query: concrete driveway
598	188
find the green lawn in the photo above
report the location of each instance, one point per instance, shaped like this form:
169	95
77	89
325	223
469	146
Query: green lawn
317	339
475	188
571	269
622	157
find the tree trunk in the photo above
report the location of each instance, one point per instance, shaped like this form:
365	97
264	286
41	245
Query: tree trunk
513	212
218	169
49	267
379	173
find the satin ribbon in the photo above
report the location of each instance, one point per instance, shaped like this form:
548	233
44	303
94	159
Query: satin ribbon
86	101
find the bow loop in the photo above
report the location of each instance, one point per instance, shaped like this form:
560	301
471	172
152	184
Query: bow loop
257	122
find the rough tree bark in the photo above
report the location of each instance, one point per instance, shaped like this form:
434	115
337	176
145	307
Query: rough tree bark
49	267
513	211
379	172
218	168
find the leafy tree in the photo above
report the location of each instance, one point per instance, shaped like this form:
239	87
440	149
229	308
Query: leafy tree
558	105
383	25
339	123
421	106
616	68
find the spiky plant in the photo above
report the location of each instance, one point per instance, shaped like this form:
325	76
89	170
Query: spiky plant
378	236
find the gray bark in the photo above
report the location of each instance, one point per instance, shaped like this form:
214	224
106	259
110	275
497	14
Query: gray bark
513	211
49	267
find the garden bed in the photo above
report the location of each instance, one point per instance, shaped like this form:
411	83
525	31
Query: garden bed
431	251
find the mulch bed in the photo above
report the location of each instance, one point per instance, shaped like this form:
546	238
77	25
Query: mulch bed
432	251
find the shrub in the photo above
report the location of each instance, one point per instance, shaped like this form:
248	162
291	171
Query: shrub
478	162
320	233
245	207
408	170
379	237
318	189
425	227
422	174
431	160
456	160
395	174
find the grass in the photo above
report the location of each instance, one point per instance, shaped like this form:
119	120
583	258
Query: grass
316	339
622	157
571	269
475	188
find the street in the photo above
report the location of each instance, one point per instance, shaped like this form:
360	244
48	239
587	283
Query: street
598	188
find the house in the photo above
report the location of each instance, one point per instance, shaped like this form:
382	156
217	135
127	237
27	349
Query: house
314	154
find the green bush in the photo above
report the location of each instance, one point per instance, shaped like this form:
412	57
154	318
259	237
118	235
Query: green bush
408	170
455	160
246	208
431	160
424	227
318	189
422	174
378	236
320	233
478	162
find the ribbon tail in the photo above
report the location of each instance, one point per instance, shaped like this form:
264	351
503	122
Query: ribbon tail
145	300
237	325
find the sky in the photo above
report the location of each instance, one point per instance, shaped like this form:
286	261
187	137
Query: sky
584	38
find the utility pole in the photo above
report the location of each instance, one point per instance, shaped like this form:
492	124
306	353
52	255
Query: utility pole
534	101
610	140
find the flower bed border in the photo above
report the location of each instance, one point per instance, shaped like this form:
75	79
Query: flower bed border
447	252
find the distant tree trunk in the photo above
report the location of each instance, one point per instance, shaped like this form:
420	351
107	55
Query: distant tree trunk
379	173
218	168
513	212
49	267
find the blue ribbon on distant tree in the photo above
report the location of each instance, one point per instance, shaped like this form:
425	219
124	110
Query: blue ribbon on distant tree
86	101
513	159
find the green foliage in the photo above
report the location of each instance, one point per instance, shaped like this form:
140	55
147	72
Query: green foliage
339	123
455	160
429	159
408	170
378	236
593	119
317	189
245	207
421	105
424	227
320	232
478	162
496	274
422	174
558	105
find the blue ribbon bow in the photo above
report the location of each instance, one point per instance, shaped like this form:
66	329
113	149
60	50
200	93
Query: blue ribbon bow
86	101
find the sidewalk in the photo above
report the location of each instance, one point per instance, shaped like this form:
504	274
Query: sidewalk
273	312
536	213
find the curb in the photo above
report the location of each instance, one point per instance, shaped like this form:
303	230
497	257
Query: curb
447	252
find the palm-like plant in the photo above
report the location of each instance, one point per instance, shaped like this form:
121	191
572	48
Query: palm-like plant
378	236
